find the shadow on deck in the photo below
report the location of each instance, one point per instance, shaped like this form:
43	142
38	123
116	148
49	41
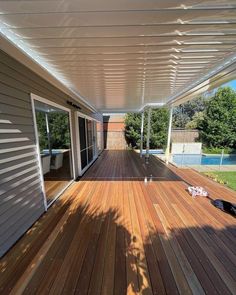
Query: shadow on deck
112	233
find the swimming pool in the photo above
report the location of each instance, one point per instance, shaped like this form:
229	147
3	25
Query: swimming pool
154	152
203	159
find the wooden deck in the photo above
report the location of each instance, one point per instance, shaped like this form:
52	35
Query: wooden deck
53	188
114	233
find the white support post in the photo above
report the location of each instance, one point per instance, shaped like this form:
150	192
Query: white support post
148	134
169	136
141	140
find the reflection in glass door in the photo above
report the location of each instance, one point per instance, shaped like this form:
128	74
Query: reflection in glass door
83	145
95	145
89	126
53	129
99	137
87	138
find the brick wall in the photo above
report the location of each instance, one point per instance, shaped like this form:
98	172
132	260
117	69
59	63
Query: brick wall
181	135
114	135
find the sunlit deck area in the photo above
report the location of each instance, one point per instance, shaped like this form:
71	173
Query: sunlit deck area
114	233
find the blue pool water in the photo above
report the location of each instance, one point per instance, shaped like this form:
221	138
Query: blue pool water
203	160
154	152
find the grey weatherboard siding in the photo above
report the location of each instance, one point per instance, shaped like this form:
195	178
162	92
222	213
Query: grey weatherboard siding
21	196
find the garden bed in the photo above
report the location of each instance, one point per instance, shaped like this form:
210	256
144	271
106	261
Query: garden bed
227	178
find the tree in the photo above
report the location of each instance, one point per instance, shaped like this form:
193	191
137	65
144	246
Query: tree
42	130
218	125
59	130
196	119
184	113
158	131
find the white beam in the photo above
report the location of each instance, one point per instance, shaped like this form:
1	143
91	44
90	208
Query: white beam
169	136
148	134
217	76
141	140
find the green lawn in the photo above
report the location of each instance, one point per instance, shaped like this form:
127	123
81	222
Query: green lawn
228	178
206	150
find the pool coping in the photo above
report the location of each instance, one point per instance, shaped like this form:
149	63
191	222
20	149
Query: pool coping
218	154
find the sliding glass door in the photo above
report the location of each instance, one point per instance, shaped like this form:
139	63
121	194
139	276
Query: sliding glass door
87	136
54	137
99	132
90	140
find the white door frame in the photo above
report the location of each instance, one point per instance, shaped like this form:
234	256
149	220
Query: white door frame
44	100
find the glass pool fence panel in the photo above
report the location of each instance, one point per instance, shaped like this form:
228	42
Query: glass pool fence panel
186	147
190	148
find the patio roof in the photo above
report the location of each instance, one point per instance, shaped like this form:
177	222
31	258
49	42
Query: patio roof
124	55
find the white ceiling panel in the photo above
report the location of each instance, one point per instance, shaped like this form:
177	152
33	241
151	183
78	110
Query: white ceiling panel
122	55
104	5
117	18
118	31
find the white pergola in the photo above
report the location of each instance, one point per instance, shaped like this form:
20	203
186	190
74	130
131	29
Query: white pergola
126	55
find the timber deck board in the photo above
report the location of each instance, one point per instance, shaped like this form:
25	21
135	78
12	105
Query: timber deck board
114	233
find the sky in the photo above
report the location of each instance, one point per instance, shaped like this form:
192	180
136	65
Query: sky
213	91
231	84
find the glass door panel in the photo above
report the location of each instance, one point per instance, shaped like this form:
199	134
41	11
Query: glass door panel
84	161
99	136
90	154
82	133
83	142
53	130
89	133
87	137
95	143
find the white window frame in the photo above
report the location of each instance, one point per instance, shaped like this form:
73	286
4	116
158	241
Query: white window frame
51	103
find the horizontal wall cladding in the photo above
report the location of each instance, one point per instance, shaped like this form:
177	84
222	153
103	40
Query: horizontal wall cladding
30	216
16	80
21	195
